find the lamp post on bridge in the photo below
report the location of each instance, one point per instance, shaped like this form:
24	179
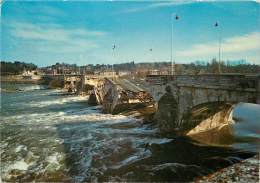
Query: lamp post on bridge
173	17
219	45
114	55
150	56
83	77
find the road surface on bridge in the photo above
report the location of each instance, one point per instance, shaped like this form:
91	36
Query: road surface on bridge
129	85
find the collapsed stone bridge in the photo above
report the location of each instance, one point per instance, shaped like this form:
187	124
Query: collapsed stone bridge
72	82
178	96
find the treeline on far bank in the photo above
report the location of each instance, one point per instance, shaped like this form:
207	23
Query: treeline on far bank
224	67
9	68
197	67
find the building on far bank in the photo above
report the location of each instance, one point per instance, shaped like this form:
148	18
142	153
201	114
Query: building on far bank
106	73
124	73
159	72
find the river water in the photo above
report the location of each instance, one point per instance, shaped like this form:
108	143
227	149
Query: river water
49	136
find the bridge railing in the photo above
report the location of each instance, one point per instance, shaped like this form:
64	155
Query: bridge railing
223	81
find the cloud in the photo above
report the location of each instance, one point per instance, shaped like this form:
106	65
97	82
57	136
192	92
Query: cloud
49	37
233	45
50	32
47	10
156	5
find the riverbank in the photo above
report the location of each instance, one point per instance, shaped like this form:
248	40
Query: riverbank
21	79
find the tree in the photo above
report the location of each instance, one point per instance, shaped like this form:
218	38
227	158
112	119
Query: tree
16	67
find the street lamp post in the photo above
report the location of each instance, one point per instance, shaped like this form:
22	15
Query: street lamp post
219	46
172	60
113	48
150	56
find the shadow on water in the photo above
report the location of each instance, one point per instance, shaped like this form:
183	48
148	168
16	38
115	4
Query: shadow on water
96	153
178	160
119	151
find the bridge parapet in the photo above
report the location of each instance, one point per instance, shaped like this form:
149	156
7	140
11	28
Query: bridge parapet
218	81
157	83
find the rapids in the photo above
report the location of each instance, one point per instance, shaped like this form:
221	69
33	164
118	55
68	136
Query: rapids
47	135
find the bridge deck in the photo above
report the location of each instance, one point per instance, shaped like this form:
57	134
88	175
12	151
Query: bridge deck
129	85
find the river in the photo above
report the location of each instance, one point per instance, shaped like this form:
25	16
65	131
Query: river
47	135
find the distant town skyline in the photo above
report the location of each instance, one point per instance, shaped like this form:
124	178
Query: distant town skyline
84	32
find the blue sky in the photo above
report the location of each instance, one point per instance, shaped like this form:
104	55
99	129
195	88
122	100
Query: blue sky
83	32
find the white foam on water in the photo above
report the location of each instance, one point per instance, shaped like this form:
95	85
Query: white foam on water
139	155
58	101
92	137
34	118
54	158
54	161
20	148
98	117
174	166
20	165
158	141
32	87
59	141
49	119
16	165
3	146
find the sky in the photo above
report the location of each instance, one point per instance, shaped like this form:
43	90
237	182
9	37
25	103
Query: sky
84	32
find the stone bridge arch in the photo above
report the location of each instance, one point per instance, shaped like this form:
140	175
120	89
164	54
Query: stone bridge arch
207	116
188	93
190	98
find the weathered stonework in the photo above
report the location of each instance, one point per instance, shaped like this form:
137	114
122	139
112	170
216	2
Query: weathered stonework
168	114
192	91
114	99
214	117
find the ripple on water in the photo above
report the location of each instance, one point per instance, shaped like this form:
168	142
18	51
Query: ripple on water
57	138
